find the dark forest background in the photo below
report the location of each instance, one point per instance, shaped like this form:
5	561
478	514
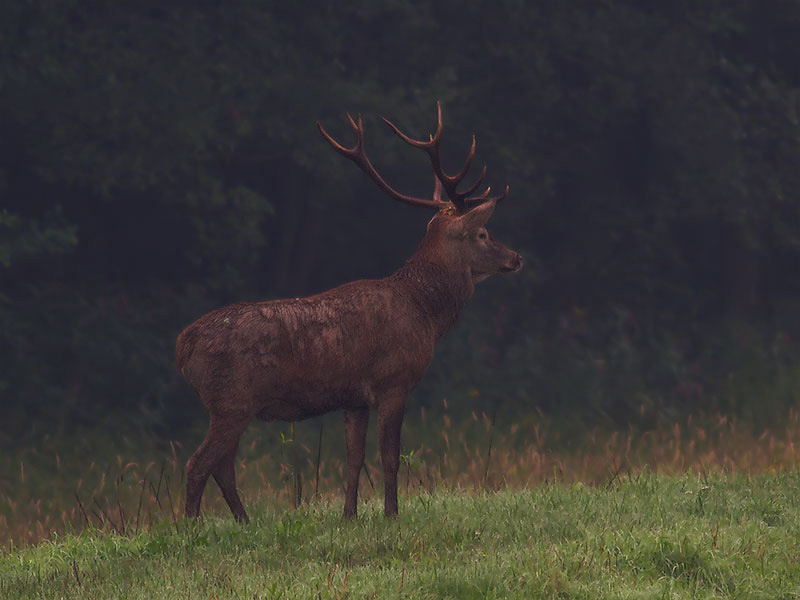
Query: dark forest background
160	159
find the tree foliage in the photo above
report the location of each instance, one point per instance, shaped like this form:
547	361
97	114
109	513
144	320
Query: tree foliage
160	159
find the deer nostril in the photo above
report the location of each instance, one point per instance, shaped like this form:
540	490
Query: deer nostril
514	264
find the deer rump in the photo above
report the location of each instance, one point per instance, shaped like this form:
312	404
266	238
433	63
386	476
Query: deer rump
288	360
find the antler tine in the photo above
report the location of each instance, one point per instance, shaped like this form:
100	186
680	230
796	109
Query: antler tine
475	185
484	197
463	172
432	143
358	156
336	145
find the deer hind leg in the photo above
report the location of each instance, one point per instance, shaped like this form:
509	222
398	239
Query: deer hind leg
225	476
218	448
355	436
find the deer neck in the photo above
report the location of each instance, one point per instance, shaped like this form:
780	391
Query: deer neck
437	290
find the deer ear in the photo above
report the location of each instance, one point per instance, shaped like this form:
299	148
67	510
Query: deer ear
477	217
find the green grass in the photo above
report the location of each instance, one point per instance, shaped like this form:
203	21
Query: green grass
642	536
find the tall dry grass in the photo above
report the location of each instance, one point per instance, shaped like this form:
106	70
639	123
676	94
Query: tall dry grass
43	496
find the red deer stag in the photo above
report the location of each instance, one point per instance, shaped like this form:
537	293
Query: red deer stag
361	346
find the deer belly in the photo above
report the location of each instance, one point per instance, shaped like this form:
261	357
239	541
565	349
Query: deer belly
297	409
281	410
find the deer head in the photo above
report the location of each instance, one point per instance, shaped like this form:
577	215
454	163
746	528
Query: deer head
457	235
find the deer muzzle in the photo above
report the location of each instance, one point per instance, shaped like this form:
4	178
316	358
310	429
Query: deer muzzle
514	264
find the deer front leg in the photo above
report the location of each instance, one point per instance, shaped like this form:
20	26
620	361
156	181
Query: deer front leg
390	421
355	436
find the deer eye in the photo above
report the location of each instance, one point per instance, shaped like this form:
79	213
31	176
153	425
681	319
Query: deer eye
482	235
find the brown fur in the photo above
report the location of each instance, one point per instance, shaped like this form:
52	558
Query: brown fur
361	346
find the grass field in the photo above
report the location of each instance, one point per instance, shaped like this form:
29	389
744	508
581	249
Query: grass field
645	536
704	508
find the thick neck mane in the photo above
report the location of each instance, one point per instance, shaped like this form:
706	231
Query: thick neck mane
438	292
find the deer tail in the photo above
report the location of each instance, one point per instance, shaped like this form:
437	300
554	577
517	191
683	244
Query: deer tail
184	347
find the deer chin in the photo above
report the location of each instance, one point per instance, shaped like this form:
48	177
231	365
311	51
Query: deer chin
478	277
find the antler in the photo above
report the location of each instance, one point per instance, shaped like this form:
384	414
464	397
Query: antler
460	202
357	155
